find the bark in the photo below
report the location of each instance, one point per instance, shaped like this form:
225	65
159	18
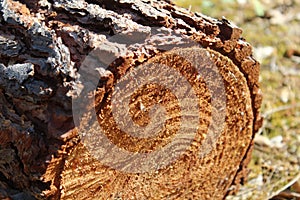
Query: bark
43	46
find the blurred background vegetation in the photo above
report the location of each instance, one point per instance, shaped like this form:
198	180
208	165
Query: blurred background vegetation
273	29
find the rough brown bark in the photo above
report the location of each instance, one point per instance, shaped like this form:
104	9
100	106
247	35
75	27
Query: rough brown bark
42	46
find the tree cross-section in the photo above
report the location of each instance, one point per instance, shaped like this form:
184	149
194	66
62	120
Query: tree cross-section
47	54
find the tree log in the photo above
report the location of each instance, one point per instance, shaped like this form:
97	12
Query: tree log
81	119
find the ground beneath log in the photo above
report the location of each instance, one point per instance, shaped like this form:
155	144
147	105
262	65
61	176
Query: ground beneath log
273	28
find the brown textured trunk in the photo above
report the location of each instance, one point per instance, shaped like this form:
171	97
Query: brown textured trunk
48	51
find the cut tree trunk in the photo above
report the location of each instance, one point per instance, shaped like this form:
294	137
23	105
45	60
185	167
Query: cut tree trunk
44	47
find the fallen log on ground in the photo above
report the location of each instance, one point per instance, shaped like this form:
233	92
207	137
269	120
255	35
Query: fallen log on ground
123	99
